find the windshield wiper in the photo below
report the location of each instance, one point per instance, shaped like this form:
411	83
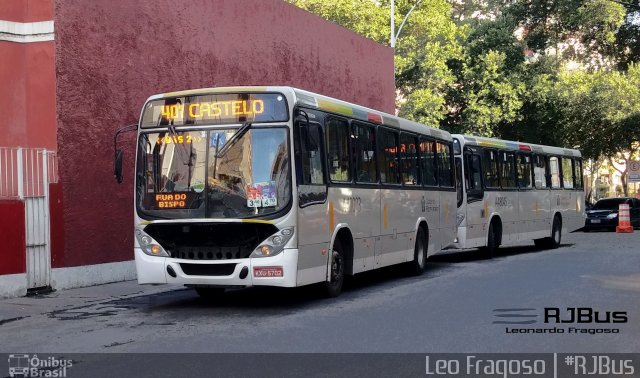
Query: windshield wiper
234	138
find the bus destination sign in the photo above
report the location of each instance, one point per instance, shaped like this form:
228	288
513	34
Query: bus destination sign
215	109
175	200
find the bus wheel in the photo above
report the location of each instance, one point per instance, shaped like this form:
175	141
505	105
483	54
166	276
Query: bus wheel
334	288
210	293
556	233
419	262
493	240
554	240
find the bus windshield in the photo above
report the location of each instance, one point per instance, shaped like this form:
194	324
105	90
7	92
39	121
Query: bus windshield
183	174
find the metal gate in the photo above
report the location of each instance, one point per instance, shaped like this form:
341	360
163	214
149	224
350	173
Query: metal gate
25	174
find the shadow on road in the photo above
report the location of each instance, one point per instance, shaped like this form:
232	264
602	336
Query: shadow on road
266	301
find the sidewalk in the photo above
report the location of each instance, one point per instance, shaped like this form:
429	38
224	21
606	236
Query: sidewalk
12	309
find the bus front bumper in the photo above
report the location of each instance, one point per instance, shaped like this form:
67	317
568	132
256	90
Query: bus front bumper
279	270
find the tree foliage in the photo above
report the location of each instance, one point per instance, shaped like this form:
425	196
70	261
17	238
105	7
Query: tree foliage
561	72
428	40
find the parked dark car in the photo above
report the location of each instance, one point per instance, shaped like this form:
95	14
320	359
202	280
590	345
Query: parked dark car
604	214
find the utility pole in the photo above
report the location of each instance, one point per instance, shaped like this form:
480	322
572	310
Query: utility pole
394	34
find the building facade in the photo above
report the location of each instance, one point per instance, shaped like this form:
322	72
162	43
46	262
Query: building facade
74	71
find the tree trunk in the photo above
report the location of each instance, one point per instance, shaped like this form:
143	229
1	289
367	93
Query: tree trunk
623	176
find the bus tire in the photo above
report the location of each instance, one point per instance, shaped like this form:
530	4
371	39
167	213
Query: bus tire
556	233
553	241
494	238
333	288
417	266
210	293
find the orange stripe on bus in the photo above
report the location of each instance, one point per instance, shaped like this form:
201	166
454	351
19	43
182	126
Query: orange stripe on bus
385	217
332	217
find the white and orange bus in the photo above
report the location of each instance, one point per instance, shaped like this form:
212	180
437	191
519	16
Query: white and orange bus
509	192
277	186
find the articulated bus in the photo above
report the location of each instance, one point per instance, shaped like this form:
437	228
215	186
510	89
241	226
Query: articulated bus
276	186
510	192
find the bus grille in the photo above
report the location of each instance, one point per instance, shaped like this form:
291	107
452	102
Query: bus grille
210	241
208	269
212	253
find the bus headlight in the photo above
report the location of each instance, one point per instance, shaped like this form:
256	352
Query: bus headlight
148	245
274	243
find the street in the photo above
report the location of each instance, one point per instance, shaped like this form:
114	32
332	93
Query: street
448	309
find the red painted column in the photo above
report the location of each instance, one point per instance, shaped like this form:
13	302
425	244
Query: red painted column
27	74
12	237
28	105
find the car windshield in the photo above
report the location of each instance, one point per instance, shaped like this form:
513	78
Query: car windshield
609	204
187	174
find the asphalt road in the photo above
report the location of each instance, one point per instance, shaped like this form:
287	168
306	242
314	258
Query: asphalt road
448	309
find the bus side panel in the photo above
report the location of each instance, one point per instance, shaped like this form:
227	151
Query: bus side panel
577	219
421	204
313	243
363	217
542	210
546	210
447	221
476	220
571	203
507	204
396	210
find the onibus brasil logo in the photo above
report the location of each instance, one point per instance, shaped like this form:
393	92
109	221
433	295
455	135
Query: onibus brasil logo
24	365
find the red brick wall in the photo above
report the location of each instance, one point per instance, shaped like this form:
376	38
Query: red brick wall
111	55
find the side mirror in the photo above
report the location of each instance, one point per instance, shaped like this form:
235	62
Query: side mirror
117	153
117	165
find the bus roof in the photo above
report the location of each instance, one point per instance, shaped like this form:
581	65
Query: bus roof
517	146
305	98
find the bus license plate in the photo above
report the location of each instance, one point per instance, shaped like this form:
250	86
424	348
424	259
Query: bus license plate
267	271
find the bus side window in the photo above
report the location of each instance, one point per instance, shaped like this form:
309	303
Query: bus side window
524	170
388	156
338	159
445	176
554	170
508	173
579	180
567	173
491	169
365	153
428	162
540	171
310	156
473	177
409	159
460	195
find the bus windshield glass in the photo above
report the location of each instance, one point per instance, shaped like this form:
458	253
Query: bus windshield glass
182	174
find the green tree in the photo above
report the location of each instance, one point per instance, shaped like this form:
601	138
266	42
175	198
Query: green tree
601	113
429	39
